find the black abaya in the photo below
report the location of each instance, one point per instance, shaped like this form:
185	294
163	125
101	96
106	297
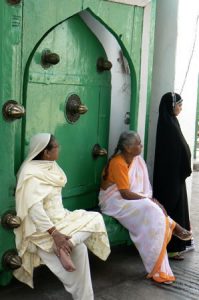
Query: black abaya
171	167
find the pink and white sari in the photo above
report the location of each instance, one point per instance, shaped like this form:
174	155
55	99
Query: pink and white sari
149	228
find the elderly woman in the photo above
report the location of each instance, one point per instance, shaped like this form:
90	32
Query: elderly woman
127	196
48	228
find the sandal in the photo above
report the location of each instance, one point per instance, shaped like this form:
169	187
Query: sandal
182	233
175	256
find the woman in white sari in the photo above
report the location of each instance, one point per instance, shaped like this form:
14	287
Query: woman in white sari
49	233
126	195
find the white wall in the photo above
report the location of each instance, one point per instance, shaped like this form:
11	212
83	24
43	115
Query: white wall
163	66
142	111
187	67
120	79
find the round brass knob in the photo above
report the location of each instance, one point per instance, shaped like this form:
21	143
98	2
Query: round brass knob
74	108
12	110
82	109
48	59
11	260
9	220
98	151
103	64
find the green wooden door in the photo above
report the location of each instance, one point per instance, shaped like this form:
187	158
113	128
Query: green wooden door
47	90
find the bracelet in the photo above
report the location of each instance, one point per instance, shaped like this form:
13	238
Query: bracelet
51	230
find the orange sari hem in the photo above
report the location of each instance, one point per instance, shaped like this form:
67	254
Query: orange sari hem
163	278
167	237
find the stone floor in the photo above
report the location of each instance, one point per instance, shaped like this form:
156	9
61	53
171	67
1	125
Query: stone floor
122	277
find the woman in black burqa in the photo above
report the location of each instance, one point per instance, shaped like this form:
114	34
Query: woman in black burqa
171	168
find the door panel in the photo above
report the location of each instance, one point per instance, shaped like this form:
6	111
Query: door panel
47	91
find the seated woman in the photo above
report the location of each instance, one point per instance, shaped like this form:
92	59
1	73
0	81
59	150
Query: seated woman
49	233
126	195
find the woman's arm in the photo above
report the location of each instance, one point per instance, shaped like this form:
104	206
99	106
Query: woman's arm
39	217
43	224
128	195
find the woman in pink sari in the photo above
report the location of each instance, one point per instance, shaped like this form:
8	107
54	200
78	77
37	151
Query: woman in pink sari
126	195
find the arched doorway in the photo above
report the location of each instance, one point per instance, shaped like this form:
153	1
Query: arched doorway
47	90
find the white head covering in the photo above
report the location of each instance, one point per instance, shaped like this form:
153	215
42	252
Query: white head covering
37	143
46	173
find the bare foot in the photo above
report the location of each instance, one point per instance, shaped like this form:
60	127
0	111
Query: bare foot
182	233
65	259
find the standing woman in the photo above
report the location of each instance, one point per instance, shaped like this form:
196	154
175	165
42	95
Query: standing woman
171	168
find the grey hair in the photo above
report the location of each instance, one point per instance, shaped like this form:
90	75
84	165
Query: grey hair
126	138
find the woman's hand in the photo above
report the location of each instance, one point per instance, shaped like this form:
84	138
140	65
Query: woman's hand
62	241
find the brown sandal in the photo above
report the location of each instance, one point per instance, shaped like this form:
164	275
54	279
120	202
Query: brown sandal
182	233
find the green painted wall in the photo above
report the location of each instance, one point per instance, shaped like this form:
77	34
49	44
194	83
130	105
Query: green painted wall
10	88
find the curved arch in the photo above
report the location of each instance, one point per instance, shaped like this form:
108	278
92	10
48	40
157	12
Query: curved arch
133	78
27	68
134	102
134	98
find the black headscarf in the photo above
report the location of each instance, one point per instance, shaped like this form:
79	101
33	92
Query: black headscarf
172	154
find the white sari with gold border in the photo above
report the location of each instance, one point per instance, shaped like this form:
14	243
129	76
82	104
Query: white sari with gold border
149	229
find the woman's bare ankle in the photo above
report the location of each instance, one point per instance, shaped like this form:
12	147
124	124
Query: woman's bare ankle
182	233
